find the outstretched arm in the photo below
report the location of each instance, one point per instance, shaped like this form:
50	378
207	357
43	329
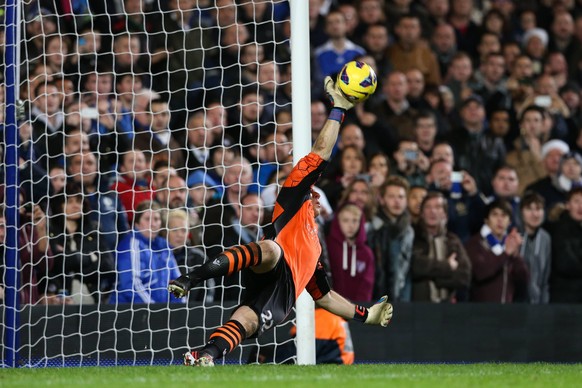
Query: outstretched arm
378	314
327	138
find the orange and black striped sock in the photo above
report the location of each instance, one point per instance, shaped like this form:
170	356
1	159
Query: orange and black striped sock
228	262
225	339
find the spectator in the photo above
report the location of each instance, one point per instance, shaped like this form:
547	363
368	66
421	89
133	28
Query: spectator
476	151
48	121
499	271
520	81
460	78
440	265
247	131
391	241
536	248
546	95
416	88
83	263
352	163
569	176
187	257
462	196
221	212
199	139
466	30
133	184
58	178
172	194
107	211
500	126
494	84
160	143
378	169
443	151
411	52
505	185
526	157
145	262
444	45
410	162
375	41
425	132
415	197
351	259
552	153
393	115
566	273
274	150
338	50
35	255
535	44
352	19
369	12
360	193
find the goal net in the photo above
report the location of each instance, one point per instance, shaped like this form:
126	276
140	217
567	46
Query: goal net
154	135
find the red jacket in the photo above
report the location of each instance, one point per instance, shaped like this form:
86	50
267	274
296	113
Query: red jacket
132	193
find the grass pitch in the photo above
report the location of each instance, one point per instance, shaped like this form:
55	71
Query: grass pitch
356	376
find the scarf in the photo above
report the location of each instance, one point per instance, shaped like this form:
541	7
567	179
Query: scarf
497	247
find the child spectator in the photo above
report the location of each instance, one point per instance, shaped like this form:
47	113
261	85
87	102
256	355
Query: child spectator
351	260
145	262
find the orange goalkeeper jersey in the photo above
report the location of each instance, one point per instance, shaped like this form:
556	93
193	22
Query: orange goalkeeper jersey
294	221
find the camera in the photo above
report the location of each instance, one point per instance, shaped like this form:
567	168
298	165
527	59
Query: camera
365	177
410	154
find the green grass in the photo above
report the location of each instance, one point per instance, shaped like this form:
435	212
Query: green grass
356	376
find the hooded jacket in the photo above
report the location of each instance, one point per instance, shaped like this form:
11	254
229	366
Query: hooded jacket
352	264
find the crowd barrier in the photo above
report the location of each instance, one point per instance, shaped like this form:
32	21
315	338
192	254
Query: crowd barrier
419	333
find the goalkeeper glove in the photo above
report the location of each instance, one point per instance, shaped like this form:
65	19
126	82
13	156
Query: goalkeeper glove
180	287
380	313
335	96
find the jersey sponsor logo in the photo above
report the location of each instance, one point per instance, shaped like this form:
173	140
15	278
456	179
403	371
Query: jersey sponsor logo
216	262
311	231
267	320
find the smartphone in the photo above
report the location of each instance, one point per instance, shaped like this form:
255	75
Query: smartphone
456	176
543	101
364	177
89	113
410	155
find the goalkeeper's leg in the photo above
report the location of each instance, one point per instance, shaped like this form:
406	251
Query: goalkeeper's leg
261	257
244	322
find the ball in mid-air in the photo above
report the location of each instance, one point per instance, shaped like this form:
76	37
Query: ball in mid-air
357	81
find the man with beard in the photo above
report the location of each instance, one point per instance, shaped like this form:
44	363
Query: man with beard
391	240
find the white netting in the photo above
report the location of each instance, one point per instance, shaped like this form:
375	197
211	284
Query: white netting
184	104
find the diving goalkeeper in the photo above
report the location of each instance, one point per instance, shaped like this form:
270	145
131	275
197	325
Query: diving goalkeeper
286	261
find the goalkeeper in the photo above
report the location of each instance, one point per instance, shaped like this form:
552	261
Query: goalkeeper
286	261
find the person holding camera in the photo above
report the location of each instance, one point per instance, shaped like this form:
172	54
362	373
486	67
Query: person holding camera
462	195
410	162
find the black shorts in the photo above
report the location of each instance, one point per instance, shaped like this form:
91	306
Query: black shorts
270	295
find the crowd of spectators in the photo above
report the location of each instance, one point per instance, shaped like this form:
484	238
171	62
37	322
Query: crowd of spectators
156	134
